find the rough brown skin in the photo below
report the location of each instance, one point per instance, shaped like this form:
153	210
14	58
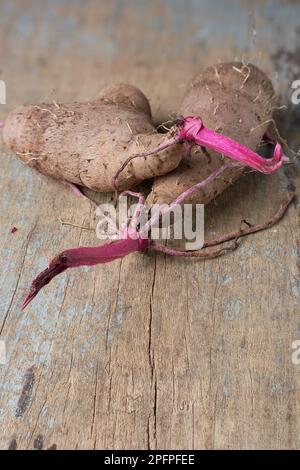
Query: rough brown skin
127	95
230	98
86	143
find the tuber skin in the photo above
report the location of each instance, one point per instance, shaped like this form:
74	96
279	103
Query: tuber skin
86	143
234	99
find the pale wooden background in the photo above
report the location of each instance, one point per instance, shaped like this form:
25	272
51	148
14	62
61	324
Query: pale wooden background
147	352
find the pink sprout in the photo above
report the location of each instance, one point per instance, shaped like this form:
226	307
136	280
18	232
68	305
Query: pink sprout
85	256
193	130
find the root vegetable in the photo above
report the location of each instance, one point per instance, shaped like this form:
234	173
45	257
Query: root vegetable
228	109
86	143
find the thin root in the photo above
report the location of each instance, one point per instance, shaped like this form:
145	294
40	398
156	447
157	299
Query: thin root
210	93
254	228
79	192
29	160
235	236
272	121
246	77
258	94
163	125
165	145
241	71
63	222
216	109
196	254
128	125
47	111
217	75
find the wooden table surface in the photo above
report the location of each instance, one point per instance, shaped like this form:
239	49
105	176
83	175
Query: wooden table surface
148	352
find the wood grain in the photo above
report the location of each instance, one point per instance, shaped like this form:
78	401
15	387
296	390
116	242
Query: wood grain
148	352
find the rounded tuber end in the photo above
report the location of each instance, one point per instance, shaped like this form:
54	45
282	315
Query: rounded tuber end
122	93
